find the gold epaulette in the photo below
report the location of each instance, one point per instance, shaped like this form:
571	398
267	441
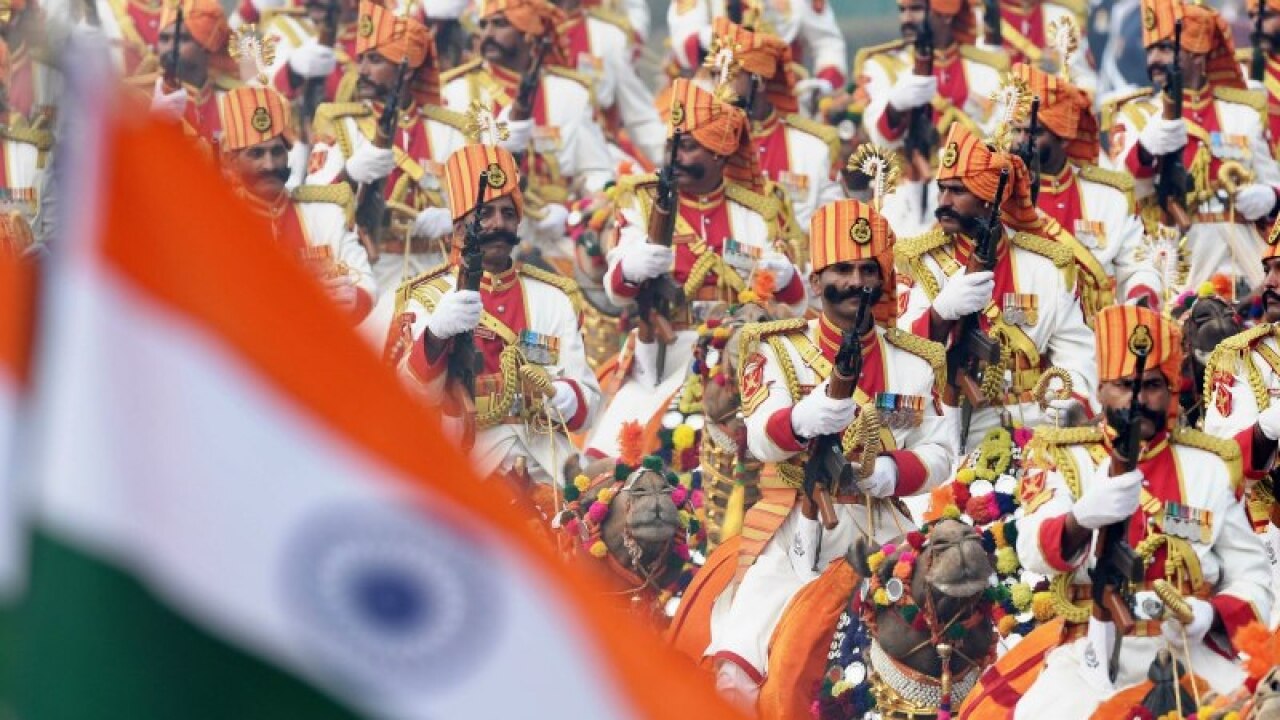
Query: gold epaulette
342	109
1110	107
417	286
929	351
226	82
1255	99
41	138
766	207
445	116
1232	355
566	285
1048	435
860	58
629	192
753	333
1059	255
990	58
825	133
581	78
1228	450
617	19
449	75
339	194
914	247
1111	178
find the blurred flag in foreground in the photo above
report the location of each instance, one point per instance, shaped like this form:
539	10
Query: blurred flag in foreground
238	513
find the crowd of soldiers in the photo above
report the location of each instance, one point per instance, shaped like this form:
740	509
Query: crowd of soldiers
806	295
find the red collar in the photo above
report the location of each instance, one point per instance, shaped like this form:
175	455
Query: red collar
830	337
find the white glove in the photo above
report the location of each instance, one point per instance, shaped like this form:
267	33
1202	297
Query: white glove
1269	422
1161	137
313	60
1060	412
565	401
816	414
342	291
1201	621
457	312
555	219
1255	200
1108	499
644	364
964	293
169	105
433	223
883	480
369	163
820	86
781	268
733	683
645	261
913	91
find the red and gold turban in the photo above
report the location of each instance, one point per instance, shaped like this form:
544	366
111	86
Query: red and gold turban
251	116
718	126
1273	242
462	176
967	158
1065	110
397	39
761	54
1116	324
204	20
965	29
531	17
849	230
1204	32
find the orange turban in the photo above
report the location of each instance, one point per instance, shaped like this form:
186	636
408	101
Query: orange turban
718	126
1065	110
965	29
1204	32
967	158
204	19
462	177
251	116
399	38
761	54
1115	325
848	230
1273	242
531	17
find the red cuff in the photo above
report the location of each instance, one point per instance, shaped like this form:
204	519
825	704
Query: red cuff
1244	439
620	286
693	50
248	12
779	430
887	130
737	659
283	82
920	326
580	415
911	472
1051	531
1137	292
1084	403
421	367
1134	165
1233	614
832	75
793	292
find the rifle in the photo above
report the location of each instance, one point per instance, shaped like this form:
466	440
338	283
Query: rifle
171	77
992	34
658	297
463	358
523	107
313	90
1028	151
827	468
1172	181
1258	62
971	348
371	201
1117	564
922	137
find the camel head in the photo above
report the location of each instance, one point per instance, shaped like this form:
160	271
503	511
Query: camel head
1266	699
643	519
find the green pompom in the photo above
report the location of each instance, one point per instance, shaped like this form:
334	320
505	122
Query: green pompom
652	462
621	471
571	493
909	612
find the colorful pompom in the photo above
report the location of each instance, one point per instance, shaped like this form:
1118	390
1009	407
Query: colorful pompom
966	476
1020	595
582	482
875	560
1006	561
1006	625
682	438
679	494
599	549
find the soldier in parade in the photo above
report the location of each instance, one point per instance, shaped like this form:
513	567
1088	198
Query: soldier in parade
133	27
723	232
34	81
522	321
786	379
1095	205
1260	62
302	55
1178	508
1220	139
313	221
1030	31
187	87
26	156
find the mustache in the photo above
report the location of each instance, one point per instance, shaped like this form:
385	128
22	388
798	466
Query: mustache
910	27
491	43
1153	68
499	235
833	295
378	88
1157	419
694	171
1269	295
967	224
281	174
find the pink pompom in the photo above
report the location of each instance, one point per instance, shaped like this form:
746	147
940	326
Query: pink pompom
598	512
696	501
908	557
679	495
572	526
888	549
1021	437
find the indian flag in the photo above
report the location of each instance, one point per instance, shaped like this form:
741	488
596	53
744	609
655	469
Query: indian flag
239	513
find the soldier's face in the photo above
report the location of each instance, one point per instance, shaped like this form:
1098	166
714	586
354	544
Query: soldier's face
1154	396
840	287
959	211
500	41
262	169
1270	28
193	59
696	167
1271	290
1160	63
910	15
1050	148
377	75
498	222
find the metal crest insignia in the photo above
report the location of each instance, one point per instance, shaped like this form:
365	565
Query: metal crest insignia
482	125
1140	340
950	155
366	25
1012	103
495	176
882	165
261	119
677	113
860	231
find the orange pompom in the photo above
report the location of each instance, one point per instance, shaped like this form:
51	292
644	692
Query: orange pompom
939	499
1256	641
763	284
1223	286
631	444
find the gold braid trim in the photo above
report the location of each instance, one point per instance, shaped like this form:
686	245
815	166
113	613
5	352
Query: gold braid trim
463	69
418	288
1091	280
789	376
1111	178
339	194
1228	450
860	58
991	58
1060	256
566	285
864	432
444	116
931	352
500	408
764	206
1233	353
1110	107
825	133
753	333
